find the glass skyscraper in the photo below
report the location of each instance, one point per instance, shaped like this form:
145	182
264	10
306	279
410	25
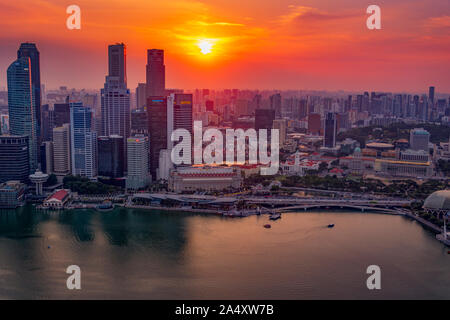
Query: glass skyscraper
29	50
21	104
83	141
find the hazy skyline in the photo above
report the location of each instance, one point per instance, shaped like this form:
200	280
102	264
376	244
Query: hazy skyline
254	44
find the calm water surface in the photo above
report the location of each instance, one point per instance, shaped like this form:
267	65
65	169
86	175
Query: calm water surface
127	254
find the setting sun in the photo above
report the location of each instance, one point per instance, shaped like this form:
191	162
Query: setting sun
205	45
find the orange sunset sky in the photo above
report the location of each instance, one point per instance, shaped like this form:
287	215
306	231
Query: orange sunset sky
255	44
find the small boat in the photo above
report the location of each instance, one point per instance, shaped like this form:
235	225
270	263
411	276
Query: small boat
267	226
275	216
330	225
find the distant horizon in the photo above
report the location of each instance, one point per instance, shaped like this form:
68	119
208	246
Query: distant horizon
258	44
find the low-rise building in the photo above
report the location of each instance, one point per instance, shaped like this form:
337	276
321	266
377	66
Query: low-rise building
399	168
12	194
58	199
204	178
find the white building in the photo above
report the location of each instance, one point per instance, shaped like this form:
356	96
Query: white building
61	151
137	158
204	178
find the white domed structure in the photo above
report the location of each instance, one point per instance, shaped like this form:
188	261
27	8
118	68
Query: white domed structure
438	202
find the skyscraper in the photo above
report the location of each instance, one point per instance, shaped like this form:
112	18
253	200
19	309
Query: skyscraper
22	115
14	158
110	156
275	104
179	115
61	151
330	129
157	128
156	73
29	50
141	95
83	141
264	119
61	114
115	97
137	155
431	95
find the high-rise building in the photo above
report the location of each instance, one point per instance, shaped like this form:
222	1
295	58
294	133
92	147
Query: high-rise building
157	128
115	97
21	105
46	154
264	119
83	141
141	95
61	114
419	139
179	115
431	95
330	129
156	73
47	124
280	124
314	124
110	156
61	151
139	121
275	104
14	158
29	50
137	156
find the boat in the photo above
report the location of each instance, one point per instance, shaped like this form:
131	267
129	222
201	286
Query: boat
267	226
330	225
275	216
106	206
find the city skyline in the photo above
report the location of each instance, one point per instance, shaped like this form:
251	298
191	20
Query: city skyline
308	45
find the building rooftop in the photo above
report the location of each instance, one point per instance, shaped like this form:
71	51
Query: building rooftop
439	200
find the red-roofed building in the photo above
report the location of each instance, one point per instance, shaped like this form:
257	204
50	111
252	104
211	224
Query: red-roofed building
58	199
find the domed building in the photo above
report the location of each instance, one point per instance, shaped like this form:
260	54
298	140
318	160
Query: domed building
438	203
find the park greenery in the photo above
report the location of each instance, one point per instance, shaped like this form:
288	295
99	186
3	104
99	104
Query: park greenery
396	188
396	131
83	185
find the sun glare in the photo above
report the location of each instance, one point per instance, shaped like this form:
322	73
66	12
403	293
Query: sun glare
205	45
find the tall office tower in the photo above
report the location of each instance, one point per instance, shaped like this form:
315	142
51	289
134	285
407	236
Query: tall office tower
61	151
14	158
110	156
157	129
280	124
137	155
419	139
431	95
314	124
156	73
83	141
46	154
264	119
115	98
179	115
61	114
47	117
141	96
139	122
22	116
330	128
29	50
275	104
